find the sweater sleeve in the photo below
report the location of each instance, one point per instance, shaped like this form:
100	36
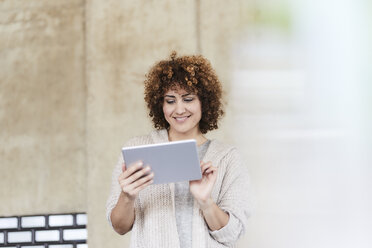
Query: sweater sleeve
115	186
234	200
115	189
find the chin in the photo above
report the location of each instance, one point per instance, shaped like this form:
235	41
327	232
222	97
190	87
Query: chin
184	130
181	130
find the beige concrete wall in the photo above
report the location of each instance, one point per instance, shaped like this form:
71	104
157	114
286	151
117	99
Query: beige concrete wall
71	93
123	40
42	107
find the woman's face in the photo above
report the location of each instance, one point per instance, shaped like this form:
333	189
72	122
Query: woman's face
182	110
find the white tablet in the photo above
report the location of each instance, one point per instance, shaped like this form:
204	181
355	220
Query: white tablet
171	162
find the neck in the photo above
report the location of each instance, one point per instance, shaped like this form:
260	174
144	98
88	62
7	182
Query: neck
196	135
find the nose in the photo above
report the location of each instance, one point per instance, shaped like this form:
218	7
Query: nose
180	108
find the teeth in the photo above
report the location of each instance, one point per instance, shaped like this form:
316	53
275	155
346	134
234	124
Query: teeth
180	118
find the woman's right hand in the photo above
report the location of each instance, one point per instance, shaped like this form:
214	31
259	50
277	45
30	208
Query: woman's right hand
134	179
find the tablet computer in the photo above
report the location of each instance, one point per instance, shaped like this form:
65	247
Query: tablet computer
175	161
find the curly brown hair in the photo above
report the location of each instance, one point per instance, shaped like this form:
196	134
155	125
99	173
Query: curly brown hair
191	73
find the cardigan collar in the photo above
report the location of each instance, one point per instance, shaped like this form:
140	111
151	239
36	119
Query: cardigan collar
159	136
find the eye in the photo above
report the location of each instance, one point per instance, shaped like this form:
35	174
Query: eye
188	99
170	101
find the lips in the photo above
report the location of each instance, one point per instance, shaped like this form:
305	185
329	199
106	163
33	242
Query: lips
181	119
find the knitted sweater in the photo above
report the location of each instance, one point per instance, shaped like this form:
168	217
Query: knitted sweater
155	221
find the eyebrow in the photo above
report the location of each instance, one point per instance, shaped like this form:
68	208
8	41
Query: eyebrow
181	96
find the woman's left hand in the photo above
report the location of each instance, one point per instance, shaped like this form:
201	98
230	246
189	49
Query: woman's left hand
202	189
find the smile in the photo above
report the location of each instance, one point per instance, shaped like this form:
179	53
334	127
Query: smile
181	119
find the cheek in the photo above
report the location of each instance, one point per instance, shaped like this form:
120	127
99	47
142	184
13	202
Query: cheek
197	109
167	111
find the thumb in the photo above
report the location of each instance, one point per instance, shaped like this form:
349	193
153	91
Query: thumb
123	167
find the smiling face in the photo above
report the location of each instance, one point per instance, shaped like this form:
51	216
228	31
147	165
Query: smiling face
182	110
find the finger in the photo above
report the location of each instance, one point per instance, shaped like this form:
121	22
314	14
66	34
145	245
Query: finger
124	174
123	167
132	168
206	166
123	177
140	173
211	169
135	187
143	180
138	189
130	187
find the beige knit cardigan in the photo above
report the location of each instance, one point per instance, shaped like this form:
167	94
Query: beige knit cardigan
155	221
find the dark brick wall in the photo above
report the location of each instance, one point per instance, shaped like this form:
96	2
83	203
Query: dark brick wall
44	231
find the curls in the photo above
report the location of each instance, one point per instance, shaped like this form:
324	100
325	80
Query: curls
192	73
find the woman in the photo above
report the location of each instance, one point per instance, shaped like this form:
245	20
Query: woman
183	95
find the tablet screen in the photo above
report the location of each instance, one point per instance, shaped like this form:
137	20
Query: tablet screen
171	162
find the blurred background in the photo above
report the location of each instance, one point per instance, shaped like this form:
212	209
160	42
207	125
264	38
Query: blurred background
297	78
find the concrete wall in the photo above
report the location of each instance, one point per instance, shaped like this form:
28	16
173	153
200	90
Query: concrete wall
71	93
42	107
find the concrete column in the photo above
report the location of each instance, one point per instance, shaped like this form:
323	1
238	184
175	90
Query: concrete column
42	107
